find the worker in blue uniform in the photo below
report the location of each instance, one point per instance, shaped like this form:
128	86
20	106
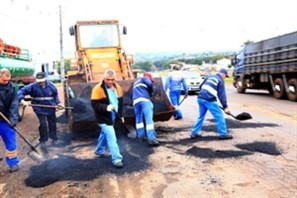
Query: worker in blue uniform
43	92
9	108
143	108
174	82
213	87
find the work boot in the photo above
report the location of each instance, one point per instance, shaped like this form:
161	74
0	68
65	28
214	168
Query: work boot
43	143
153	142
196	136
118	164
132	135
14	168
103	155
226	137
54	142
43	147
142	138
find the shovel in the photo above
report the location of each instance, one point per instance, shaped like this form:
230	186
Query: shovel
50	106
242	116
34	153
39	105
130	129
183	100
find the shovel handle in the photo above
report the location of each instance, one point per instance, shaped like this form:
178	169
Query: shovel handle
183	100
119	117
5	118
48	106
230	114
21	135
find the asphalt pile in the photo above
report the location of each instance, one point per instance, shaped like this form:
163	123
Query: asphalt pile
269	148
207	153
82	109
68	168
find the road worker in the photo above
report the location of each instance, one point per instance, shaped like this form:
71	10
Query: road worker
43	92
9	108
143	108
107	102
174	82
213	87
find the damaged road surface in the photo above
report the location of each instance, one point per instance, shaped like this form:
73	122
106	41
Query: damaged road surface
259	162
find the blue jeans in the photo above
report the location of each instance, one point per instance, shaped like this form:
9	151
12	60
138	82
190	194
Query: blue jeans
215	110
9	139
175	97
108	139
47	131
144	109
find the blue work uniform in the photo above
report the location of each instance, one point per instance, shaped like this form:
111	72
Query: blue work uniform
212	88
143	108
43	96
174	82
9	108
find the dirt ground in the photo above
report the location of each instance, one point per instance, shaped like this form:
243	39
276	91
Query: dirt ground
180	167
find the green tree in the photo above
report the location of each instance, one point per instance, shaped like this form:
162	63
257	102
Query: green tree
66	66
248	42
144	66
217	57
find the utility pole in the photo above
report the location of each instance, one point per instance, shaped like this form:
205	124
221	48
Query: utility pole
61	47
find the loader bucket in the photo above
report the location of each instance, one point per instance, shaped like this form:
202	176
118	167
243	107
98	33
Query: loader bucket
82	117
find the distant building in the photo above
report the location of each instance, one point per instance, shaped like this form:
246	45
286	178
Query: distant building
50	70
223	63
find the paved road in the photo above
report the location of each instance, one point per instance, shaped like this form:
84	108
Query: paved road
260	161
274	121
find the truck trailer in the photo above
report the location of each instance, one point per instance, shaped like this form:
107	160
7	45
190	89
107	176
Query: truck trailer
269	64
18	61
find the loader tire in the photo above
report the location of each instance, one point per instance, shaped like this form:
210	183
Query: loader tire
279	91
292	94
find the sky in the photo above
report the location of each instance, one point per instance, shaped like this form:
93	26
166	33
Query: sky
153	25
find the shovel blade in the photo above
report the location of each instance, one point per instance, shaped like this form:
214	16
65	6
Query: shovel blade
38	153
35	156
243	116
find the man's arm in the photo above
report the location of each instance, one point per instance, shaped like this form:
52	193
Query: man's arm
26	90
13	114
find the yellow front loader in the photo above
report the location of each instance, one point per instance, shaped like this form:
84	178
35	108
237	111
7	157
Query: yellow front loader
98	47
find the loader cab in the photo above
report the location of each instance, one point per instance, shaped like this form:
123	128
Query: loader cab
97	34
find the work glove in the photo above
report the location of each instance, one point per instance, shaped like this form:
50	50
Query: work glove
123	119
24	103
59	107
226	110
110	108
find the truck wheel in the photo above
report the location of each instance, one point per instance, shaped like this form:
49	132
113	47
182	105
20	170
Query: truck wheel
279	91
292	95
239	86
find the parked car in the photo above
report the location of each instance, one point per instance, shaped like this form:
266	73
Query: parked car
193	80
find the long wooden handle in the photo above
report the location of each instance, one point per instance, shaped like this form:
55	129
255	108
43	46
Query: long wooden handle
48	106
19	133
5	118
